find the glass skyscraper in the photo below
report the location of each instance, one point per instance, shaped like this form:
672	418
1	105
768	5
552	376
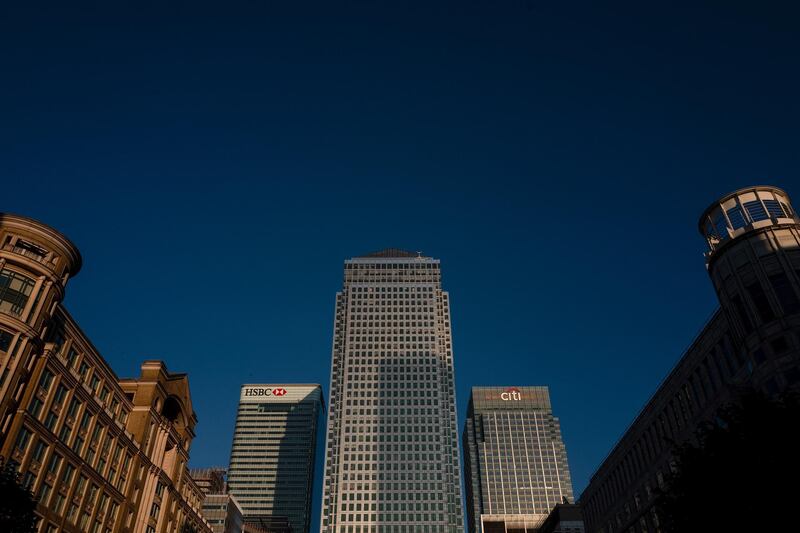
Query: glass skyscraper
392	462
515	462
271	473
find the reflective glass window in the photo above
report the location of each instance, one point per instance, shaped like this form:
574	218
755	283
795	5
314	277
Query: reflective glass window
736	217
774	208
756	210
15	289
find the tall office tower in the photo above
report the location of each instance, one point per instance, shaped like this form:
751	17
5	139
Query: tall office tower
392	463
753	339
515	463
273	455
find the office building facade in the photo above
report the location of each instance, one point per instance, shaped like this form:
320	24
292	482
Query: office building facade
223	513
752	340
515	461
274	452
209	480
220	509
101	454
392	461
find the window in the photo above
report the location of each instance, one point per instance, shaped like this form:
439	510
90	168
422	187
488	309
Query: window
61	391
29	250
736	217
46	381
84	369
5	340
756	210
50	420
54	463
774	209
72	356
39	450
760	302
744	318
785	293
94	383
720	226
15	290
66	479
23	439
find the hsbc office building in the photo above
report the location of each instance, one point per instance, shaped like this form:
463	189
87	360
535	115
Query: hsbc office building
274	452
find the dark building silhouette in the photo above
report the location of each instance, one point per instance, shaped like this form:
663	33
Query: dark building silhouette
564	518
753	340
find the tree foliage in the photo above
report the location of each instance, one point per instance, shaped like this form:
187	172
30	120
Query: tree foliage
740	473
17	504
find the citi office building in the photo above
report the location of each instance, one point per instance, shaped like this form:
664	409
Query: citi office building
515	462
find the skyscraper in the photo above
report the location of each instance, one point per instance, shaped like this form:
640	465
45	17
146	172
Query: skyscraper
392	463
515	462
271	473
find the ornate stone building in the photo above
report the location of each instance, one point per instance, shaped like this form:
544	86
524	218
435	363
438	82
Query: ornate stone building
101	454
752	340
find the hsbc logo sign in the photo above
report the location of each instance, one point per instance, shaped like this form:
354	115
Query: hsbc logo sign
512	394
259	391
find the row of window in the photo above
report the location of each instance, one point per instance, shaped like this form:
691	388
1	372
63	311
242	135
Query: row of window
712	372
80	363
85	494
392	528
422	265
746	213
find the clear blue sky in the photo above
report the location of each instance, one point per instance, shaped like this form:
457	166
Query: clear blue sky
216	164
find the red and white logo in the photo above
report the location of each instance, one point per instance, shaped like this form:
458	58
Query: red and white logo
278	392
512	393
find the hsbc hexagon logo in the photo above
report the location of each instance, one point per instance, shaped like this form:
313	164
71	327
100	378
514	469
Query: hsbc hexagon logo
259	391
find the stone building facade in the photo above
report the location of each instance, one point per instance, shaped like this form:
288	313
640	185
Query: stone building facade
752	340
101	454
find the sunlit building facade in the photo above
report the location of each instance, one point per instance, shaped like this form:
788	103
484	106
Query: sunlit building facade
515	461
101	454
220	509
274	454
392	461
752	340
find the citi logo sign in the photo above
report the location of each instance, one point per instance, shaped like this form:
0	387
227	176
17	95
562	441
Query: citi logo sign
512	394
258	391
